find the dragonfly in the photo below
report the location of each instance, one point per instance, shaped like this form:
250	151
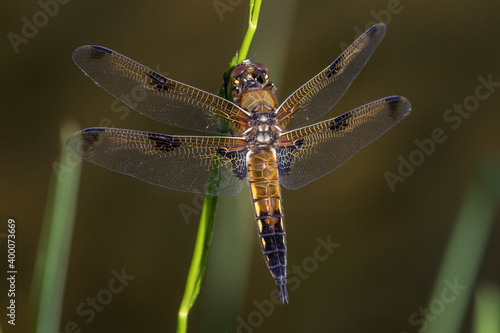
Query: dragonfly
255	140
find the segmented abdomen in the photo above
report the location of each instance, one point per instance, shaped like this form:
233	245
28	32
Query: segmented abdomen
266	195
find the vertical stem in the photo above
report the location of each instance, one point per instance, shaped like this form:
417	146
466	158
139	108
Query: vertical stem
206	224
465	249
55	240
253	19
197	268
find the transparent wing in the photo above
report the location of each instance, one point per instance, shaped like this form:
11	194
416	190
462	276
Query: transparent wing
310	152
323	91
182	163
156	96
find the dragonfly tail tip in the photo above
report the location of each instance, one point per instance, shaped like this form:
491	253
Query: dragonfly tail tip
283	293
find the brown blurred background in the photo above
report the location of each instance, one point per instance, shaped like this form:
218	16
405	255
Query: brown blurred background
391	242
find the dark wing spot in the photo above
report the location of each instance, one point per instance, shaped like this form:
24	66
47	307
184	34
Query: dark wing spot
298	143
94	130
285	159
91	138
238	161
159	82
372	29
334	68
393	102
285	156
97	52
222	151
341	122
164	142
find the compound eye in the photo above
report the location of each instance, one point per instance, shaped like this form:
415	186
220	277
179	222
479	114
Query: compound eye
237	71
263	76
261	67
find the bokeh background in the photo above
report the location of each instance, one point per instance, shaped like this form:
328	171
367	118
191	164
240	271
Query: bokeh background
392	243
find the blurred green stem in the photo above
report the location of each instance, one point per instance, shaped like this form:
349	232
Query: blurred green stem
465	251
207	218
486	317
55	241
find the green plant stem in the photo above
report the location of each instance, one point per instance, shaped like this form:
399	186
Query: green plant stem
465	250
197	268
253	19
206	224
55	241
486	317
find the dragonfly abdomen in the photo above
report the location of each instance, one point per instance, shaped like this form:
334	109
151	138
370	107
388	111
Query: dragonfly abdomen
266	196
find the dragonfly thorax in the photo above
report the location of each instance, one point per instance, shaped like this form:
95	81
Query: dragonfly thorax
262	136
263	131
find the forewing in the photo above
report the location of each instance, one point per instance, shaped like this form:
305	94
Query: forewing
183	163
310	152
323	91
156	96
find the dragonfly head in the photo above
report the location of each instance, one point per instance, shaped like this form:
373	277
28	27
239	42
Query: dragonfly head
249	76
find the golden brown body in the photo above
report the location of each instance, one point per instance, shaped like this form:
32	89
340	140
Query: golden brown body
263	176
265	189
